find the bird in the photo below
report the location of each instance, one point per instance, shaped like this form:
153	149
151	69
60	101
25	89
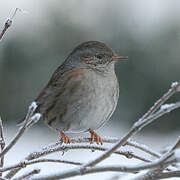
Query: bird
82	93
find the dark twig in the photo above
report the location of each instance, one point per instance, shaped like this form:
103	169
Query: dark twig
46	151
8	23
2	144
25	163
112	140
156	166
165	175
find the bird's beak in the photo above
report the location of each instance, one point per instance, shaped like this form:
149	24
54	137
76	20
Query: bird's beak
114	58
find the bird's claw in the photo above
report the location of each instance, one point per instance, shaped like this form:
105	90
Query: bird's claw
95	135
65	139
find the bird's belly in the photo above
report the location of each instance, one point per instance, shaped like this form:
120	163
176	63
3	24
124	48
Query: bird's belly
93	110
91	116
89	108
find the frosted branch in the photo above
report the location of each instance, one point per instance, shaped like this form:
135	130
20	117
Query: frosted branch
22	129
8	23
112	140
28	175
46	151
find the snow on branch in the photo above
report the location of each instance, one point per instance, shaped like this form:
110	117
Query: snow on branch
9	22
28	119
28	174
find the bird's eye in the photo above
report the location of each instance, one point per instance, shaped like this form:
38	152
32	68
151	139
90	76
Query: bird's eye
99	56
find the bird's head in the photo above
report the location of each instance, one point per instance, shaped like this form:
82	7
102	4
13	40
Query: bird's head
95	55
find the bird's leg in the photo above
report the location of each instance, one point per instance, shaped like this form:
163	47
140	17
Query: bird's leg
95	135
65	139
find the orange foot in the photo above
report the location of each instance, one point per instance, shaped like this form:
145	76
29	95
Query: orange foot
95	135
65	139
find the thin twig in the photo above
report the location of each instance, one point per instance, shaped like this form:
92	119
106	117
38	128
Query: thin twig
162	162
105	168
65	147
165	175
113	140
8	23
12	173
2	144
25	163
22	129
150	175
153	173
175	87
143	147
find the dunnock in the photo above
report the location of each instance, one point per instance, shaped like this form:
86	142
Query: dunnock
83	92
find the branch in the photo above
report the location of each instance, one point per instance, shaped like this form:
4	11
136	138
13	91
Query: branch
175	87
154	173
166	175
46	151
132	143
143	148
160	163
22	129
25	163
66	147
8	23
2	144
28	175
105	168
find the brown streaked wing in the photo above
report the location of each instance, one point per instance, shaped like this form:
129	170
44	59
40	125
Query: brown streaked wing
56	86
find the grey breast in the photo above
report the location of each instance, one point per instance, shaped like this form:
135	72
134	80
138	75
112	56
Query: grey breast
90	106
81	103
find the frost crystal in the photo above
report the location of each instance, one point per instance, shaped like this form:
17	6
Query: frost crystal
33	105
166	106
36	116
174	84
